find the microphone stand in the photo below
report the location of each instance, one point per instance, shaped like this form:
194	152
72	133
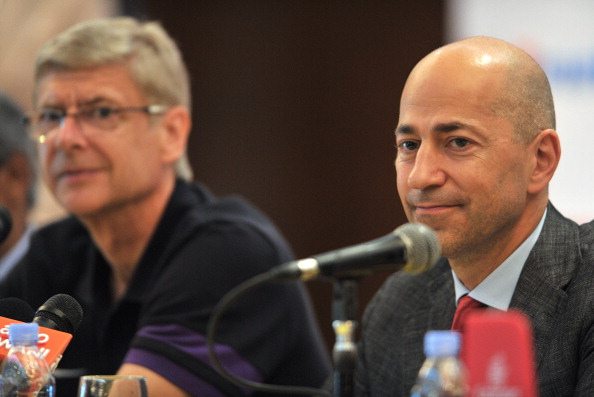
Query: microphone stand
344	352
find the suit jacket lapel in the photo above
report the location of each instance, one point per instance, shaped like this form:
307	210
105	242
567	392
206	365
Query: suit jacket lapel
433	309
443	296
540	290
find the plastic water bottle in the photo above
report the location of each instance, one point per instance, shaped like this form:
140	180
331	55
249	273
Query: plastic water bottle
24	372
442	373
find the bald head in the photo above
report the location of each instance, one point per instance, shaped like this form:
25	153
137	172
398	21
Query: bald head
514	86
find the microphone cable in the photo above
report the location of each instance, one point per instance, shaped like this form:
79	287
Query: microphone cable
228	299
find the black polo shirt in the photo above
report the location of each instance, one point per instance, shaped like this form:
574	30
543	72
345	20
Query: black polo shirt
202	247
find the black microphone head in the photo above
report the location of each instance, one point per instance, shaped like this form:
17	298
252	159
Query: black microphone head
5	223
16	309
60	312
422	246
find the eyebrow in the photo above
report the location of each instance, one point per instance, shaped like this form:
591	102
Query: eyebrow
86	103
94	101
406	129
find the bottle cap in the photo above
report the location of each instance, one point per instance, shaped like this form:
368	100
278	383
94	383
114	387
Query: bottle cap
442	343
23	334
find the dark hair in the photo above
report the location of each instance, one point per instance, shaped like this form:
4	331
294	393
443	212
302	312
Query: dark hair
14	139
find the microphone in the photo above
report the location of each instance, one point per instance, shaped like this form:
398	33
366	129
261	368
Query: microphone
60	312
58	318
497	351
5	223
15	308
412	246
63	314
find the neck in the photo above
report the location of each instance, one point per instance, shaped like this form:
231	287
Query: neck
495	251
122	234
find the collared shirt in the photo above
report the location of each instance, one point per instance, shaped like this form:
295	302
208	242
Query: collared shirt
497	289
201	248
15	254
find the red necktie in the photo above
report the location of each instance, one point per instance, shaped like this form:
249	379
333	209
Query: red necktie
465	305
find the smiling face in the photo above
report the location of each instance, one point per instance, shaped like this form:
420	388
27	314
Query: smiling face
91	171
460	168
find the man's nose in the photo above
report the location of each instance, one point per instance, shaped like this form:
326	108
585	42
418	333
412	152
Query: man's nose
427	170
69	131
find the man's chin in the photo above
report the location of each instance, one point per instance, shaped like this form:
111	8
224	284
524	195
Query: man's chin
448	243
79	207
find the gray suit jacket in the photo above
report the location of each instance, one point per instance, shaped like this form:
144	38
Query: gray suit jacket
555	290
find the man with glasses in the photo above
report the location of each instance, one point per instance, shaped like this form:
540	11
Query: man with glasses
145	252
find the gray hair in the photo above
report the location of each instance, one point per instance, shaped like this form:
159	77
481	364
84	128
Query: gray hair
14	139
153	58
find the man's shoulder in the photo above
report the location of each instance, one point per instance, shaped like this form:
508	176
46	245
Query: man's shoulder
227	208
64	231
211	214
563	235
587	234
65	242
406	291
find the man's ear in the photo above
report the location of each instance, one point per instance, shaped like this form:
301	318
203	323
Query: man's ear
546	150
176	126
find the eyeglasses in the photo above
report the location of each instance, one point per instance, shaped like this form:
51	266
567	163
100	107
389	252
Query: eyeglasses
95	118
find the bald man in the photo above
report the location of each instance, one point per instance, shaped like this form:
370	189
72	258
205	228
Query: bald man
476	150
